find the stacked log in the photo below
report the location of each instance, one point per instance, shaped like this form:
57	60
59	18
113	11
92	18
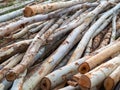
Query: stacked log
60	45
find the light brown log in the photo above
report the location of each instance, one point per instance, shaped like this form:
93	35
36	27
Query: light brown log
111	81
97	75
99	58
45	8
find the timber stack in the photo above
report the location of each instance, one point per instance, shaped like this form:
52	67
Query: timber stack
60	45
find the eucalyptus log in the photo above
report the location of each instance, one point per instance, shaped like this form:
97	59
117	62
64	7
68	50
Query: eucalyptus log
11	15
18	83
70	88
14	7
112	80
45	8
5	85
97	75
113	27
99	58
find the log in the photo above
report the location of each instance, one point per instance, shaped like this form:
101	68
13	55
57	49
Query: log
24	31
11	15
97	75
113	27
45	8
14	60
8	51
18	83
99	58
59	76
70	88
5	85
112	80
14	7
83	43
25	21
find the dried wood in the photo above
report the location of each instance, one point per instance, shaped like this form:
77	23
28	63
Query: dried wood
99	58
45	8
111	81
97	75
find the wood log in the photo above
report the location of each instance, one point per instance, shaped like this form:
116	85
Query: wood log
14	60
97	75
8	51
14	7
113	27
111	81
5	85
11	15
17	84
25	30
83	43
53	79
45	8
25	21
70	88
99	58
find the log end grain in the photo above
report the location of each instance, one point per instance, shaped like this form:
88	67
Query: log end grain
10	76
83	68
109	83
84	81
45	84
28	11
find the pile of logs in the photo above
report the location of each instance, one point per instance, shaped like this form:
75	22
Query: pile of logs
60	45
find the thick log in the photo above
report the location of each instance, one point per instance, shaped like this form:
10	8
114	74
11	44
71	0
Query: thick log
45	8
58	76
99	58
25	21
97	75
83	43
8	51
111	81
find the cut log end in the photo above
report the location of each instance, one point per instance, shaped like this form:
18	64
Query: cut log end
83	68
109	83
10	76
84	81
45	84
28	12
